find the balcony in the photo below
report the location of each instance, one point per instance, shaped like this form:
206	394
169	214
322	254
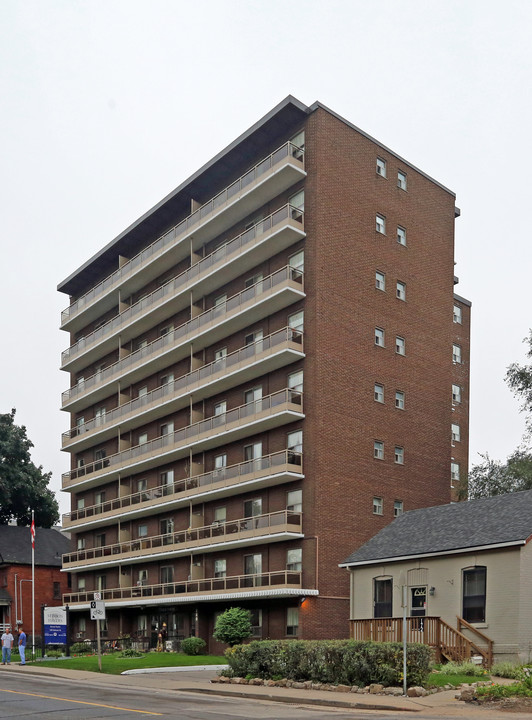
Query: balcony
275	292
275	469
274	410
270	584
257	530
268	237
270	177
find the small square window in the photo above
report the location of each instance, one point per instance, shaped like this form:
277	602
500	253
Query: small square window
379	337
401	235
380	281
377	506
457	354
379	393
401	290
455	432
401	180
399	400
457	314
380	224
381	167
457	394
378	450
455	473
399	455
397	508
400	346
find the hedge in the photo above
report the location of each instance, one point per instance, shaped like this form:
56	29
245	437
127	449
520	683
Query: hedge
345	662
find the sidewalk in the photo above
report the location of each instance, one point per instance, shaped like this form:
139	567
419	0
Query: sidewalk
195	680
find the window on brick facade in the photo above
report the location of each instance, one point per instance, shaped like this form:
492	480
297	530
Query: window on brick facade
256	623
457	394
379	393
455	432
381	167
143	438
57	591
401	290
294	559
399	455
167	379
167	428
455	473
80	503
220	568
378	506
380	280
457	354
379	337
401	180
380	224
167	574
400	345
292	622
401	235
220	514
81	584
81	543
457	314
142	531
99	540
294	501
397	508
399	400
101	582
378	450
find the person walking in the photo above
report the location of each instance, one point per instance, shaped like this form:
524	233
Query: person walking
22	645
7	644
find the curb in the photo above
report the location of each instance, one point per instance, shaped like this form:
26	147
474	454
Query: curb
180	668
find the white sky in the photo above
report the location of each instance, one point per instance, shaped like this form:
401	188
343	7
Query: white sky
107	105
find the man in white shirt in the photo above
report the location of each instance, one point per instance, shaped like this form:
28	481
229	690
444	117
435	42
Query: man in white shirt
7	644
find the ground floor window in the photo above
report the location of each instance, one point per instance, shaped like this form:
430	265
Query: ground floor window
256	623
474	594
292	621
382	597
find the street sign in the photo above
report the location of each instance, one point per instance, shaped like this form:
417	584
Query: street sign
97	610
97	596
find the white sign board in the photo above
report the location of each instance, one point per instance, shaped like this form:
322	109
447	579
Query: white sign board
97	596
97	610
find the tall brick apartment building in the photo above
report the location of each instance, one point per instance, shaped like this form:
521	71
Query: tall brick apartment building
265	368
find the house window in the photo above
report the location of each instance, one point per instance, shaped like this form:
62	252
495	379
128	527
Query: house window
219	412
80	503
297	263
142	577
379	337
400	345
401	180
81	543
254	338
295	381
455	473
142	531
397	508
57	591
294	559
167	477
142	391
380	280
381	167
220	461
220	515
256	623
167	428
455	432
401	235
457	394
167	379
99	540
400	291
474	594
165	330
101	582
100	454
253	452
292	622
253	507
399	400
295	321
294	441
220	568
382	597
457	314
378	450
298	200
99	497
253	565
380	224
294	501
220	301
142	625
457	354
378	393
82	625
81	584
378	506
167	574
399	455
80	462
221	353
250	396
143	438
142	485
141	344
166	526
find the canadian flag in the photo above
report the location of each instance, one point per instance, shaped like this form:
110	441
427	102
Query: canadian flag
32	530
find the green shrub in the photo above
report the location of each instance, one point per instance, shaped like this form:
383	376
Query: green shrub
507	670
129	653
124	641
233	626
193	646
463	668
518	689
346	662
53	653
80	648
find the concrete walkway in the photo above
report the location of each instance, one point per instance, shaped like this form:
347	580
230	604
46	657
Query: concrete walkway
198	680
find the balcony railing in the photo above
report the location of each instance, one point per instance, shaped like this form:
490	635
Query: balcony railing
279	579
184	280
231	531
179	231
287	461
189	381
217	424
201	323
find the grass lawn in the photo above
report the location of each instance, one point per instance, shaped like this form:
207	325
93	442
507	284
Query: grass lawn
114	665
440	679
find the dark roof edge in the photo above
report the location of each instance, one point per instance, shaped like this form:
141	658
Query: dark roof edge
462	300
289	100
438	553
318	104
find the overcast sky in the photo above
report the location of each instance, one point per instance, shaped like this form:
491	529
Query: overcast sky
107	105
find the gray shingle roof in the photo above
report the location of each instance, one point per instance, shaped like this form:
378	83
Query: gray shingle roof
444	528
15	546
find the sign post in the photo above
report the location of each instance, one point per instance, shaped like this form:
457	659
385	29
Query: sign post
404	603
98	613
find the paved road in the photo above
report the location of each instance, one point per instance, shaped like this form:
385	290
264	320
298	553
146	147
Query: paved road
36	697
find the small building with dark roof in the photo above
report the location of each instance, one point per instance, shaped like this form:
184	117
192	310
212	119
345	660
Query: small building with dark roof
465	571
16	576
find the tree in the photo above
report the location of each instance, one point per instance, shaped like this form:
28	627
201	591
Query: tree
491	477
23	485
519	379
233	626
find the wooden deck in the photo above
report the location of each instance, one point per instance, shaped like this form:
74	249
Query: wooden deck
448	642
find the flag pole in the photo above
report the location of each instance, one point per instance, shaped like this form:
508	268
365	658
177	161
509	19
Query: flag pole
33	585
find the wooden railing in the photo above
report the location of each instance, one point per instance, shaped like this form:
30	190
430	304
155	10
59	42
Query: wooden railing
485	652
447	642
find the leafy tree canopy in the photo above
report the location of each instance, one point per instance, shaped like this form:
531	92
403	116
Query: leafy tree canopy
519	379
233	626
23	485
491	477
